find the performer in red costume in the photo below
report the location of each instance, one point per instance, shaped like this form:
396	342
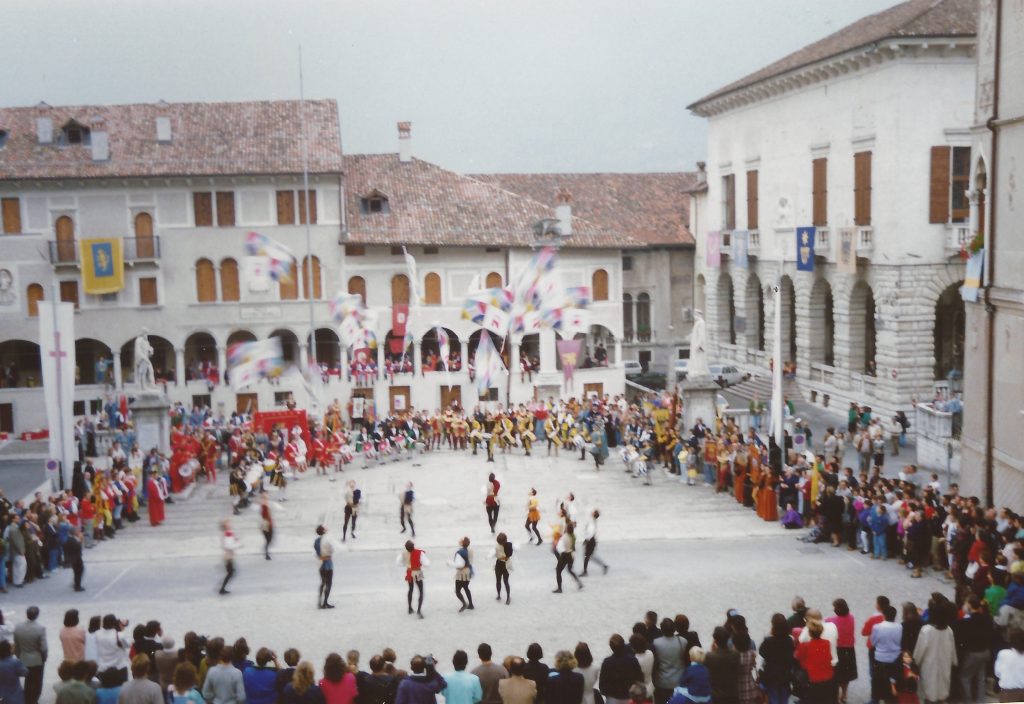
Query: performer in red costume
157	493
414	560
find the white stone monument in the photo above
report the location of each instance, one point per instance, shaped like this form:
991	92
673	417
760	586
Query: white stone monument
700	391
150	406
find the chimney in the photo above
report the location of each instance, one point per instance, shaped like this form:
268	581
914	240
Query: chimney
98	139
163	130
44	130
702	174
564	212
405	142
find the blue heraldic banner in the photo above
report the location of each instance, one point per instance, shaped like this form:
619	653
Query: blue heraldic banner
805	249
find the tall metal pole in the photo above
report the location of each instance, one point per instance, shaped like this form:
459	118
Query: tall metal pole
62	446
310	287
777	414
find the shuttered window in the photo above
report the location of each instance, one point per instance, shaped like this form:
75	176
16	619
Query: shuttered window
33	295
312	208
229	280
286	207
729	202
355	250
862	189
819	192
206	283
225	209
752	200
357	284
493	280
399	289
948	182
11	215
69	292
599	285
432	289
144	244
959	183
147	292
288	288
307	278
202	204
938	186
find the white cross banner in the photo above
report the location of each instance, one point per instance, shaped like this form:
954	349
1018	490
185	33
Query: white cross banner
57	348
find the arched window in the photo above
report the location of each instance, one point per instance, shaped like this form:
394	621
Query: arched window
65	228
399	289
315	278
643	317
288	289
493	280
357	284
229	280
144	245
33	295
206	283
432	290
599	285
627	315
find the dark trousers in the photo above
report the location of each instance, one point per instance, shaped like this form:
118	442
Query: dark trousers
492	515
78	569
268	535
882	673
589	546
33	684
661	695
229	572
565	563
326	582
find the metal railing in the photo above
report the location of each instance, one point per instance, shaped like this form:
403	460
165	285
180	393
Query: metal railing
135	249
957	239
754	242
823	243
865	240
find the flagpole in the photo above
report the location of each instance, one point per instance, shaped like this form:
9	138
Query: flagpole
311	288
777	362
60	391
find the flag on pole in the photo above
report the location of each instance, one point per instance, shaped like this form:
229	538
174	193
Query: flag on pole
443	345
345	305
714	251
487	363
805	248
414	279
739	248
496	320
57	355
279	258
102	265
251	361
575	320
972	276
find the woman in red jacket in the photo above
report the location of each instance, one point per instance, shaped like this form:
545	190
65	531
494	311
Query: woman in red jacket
815	657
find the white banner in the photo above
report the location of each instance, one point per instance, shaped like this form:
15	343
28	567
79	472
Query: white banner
57	355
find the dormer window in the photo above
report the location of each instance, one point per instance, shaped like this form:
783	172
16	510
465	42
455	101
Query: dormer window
374	203
4	134
74	133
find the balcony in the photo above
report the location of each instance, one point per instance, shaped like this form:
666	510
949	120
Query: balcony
136	249
630	336
726	245
823	243
754	243
865	241
958	236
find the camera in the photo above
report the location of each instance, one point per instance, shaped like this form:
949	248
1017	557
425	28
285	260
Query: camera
430	661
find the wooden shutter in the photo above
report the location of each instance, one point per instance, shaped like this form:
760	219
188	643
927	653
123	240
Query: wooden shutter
938	186
355	250
599	285
819	169
11	215
862	188
312	207
286	207
493	280
144	246
306	278
69	292
33	296
229	280
357	284
147	292
432	289
206	283
399	289
65	227
752	200
288	290
202	204
730	202
225	208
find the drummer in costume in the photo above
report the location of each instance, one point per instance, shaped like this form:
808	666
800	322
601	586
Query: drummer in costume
210	451
524	423
506	429
414	561
476	433
552	434
461	428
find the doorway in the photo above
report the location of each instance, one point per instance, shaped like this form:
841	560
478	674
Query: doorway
399	399
6	417
451	396
247	403
592	389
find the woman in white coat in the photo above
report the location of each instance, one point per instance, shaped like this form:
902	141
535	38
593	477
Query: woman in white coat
935	653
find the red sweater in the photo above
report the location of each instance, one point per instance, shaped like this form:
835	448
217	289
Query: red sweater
815	656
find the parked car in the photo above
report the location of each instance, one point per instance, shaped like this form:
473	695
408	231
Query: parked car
726	374
679	367
650	380
633	368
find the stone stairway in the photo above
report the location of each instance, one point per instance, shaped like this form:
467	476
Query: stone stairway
761	384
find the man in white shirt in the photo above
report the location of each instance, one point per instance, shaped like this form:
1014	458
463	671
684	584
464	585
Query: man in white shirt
829	632
590	544
228	543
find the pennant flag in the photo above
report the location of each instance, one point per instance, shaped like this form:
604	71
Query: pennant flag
805	248
714	252
443	345
279	258
972	277
529	323
487	364
569	353
57	355
739	248
399	319
102	265
363	355
251	361
847	253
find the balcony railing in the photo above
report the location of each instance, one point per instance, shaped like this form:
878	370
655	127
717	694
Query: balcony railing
865	241
754	242
957	239
638	336
726	246
136	249
823	243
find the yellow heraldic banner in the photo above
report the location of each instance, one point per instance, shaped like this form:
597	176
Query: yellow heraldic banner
102	265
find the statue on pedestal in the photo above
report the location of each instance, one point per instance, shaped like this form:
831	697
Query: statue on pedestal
144	376
697	367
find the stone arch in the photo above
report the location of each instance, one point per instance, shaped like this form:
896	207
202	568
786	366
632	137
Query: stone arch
821	320
289	345
863	335
754	335
725	314
200	350
238	336
949	333
429	347
24	359
327	348
162	358
88	355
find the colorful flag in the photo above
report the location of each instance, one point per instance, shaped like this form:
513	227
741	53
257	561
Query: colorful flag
399	319
578	297
57	356
251	361
102	265
575	319
739	248
569	353
805	248
496	320
256	273
972	276
487	363
847	261
345	305
714	252
444	350
279	258
414	279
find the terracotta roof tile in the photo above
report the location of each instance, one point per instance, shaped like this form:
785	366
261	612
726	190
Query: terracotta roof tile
208	139
650	207
915	18
429	205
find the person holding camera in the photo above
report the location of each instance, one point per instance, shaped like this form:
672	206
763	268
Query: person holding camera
112	648
423	683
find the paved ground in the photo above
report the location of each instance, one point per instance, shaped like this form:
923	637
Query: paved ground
672	548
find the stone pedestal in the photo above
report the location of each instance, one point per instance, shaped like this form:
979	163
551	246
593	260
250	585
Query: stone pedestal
152	421
700	399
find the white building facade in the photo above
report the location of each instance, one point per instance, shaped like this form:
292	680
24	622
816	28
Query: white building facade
865	136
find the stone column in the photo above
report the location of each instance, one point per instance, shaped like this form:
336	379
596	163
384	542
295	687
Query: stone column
806	328
844	335
222	363
618	352
118	382
513	357
417	358
547	352
380	359
303	357
739	298
179	366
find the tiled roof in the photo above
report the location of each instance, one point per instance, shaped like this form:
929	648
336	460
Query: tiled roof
207	139
429	205
915	18
650	207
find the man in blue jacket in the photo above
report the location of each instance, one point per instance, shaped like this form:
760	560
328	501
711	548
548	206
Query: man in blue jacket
423	685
